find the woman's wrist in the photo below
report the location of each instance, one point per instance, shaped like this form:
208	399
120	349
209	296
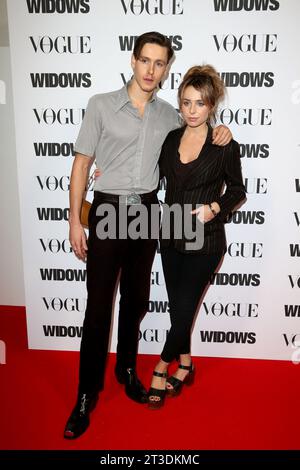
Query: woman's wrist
214	208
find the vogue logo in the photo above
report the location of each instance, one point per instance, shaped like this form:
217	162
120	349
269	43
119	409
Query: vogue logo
70	304
235	279
292	310
53	149
247	217
62	331
153	7
127	42
247	116
247	5
49	274
292	340
55	246
248	79
52	183
61	80
294	280
254	150
153	336
52	213
246	42
231	309
58	6
61	116
256	185
157	278
245	250
61	44
171	83
228	337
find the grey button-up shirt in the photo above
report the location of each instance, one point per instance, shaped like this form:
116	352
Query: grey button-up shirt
126	145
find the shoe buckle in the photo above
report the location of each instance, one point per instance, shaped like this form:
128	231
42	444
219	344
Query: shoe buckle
83	403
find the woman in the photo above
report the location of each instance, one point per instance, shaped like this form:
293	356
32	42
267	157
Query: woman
195	171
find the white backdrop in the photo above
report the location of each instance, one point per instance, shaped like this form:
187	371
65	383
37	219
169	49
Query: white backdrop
64	51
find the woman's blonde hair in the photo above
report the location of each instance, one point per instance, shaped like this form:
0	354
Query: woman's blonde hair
205	79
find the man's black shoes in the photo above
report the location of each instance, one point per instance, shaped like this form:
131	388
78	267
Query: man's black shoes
134	388
79	419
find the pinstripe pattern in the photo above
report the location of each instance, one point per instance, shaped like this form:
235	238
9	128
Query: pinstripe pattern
215	167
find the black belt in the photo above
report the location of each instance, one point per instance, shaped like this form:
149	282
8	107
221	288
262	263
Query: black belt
128	199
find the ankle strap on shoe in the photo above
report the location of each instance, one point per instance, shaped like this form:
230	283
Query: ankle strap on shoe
189	368
160	374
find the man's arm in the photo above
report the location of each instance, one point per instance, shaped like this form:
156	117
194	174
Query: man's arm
221	135
80	170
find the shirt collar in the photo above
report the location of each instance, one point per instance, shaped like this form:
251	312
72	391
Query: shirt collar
123	97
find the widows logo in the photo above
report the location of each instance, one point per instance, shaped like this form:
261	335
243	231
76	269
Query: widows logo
248	79
247	217
158	306
235	279
152	7
52	213
61	80
292	310
49	274
53	149
247	5
58	6
228	337
127	42
62	331
254	150
294	250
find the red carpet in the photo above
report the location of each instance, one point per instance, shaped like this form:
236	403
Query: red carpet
233	404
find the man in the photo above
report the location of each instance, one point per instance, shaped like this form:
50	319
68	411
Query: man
124	130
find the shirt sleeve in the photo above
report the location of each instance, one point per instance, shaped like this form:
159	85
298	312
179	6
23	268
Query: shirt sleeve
235	189
90	130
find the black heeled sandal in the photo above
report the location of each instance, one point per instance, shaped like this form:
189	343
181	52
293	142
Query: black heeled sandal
177	384
157	392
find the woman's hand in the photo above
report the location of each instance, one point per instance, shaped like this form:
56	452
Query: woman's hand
204	212
97	173
221	135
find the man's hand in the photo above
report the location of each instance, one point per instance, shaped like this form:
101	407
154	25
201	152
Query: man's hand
221	135
77	239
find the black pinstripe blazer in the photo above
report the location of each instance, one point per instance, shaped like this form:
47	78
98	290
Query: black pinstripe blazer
215	166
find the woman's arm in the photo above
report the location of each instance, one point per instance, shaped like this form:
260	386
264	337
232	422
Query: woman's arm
235	189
